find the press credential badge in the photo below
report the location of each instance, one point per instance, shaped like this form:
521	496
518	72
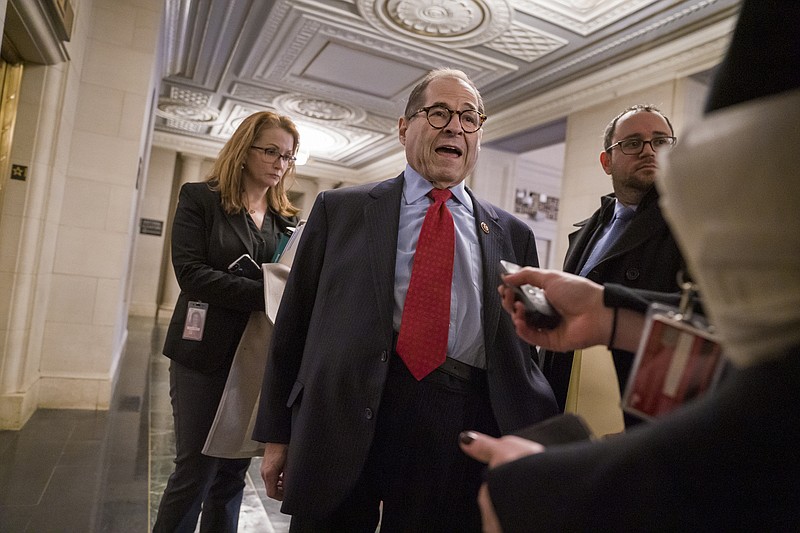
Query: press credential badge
195	321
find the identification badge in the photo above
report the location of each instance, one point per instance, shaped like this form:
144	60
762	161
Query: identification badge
195	321
679	359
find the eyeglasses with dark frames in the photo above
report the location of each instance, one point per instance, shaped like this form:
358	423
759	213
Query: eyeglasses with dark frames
271	154
636	146
439	116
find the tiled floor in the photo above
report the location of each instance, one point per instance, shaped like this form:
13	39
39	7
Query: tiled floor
104	471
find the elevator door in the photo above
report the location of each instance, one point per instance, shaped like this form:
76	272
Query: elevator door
10	78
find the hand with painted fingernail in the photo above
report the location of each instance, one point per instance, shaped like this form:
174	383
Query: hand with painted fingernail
494	452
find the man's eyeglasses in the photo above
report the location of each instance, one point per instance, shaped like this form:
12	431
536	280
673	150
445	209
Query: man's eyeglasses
439	116
272	154
636	146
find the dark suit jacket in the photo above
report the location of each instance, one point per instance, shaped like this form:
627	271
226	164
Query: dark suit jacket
205	240
726	463
333	339
644	257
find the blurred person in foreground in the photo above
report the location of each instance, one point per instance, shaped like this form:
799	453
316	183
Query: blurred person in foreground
240	208
728	461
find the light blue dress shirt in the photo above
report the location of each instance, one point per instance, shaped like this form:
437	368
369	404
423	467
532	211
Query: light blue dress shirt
465	338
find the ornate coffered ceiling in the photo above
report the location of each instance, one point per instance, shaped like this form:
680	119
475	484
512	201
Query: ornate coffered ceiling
342	68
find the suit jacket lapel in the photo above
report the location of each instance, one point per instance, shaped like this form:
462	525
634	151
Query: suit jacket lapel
581	239
491	249
381	219
239	224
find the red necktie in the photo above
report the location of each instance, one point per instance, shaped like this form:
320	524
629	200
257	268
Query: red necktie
422	343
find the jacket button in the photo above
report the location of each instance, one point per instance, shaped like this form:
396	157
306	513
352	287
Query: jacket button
384	356
368	413
632	274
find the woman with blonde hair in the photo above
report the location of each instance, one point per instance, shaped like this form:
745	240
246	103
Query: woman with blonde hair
241	208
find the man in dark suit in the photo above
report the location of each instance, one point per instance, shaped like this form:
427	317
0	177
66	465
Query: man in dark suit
349	429
643	254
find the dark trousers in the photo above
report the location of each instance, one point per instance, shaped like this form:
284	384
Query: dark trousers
416	472
199	482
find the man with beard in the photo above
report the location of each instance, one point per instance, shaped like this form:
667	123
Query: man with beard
626	240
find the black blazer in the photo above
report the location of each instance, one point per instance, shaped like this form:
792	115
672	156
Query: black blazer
644	257
333	339
205	240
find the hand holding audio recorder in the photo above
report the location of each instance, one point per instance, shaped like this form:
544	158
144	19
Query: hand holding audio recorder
539	313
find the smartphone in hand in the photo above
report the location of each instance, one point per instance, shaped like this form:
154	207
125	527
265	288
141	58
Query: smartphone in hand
539	313
245	266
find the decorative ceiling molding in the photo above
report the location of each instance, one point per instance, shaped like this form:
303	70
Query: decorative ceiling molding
286	66
254	93
319	109
583	17
187	109
526	43
639	34
456	23
180	110
342	69
178	142
691	54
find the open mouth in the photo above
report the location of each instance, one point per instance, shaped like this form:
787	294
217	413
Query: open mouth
452	151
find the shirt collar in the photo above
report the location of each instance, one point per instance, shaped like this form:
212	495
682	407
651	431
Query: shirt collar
618	206
415	187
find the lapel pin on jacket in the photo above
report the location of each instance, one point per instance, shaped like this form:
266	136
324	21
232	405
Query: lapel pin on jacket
485	227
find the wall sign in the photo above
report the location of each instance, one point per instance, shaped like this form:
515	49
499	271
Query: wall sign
19	172
148	226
